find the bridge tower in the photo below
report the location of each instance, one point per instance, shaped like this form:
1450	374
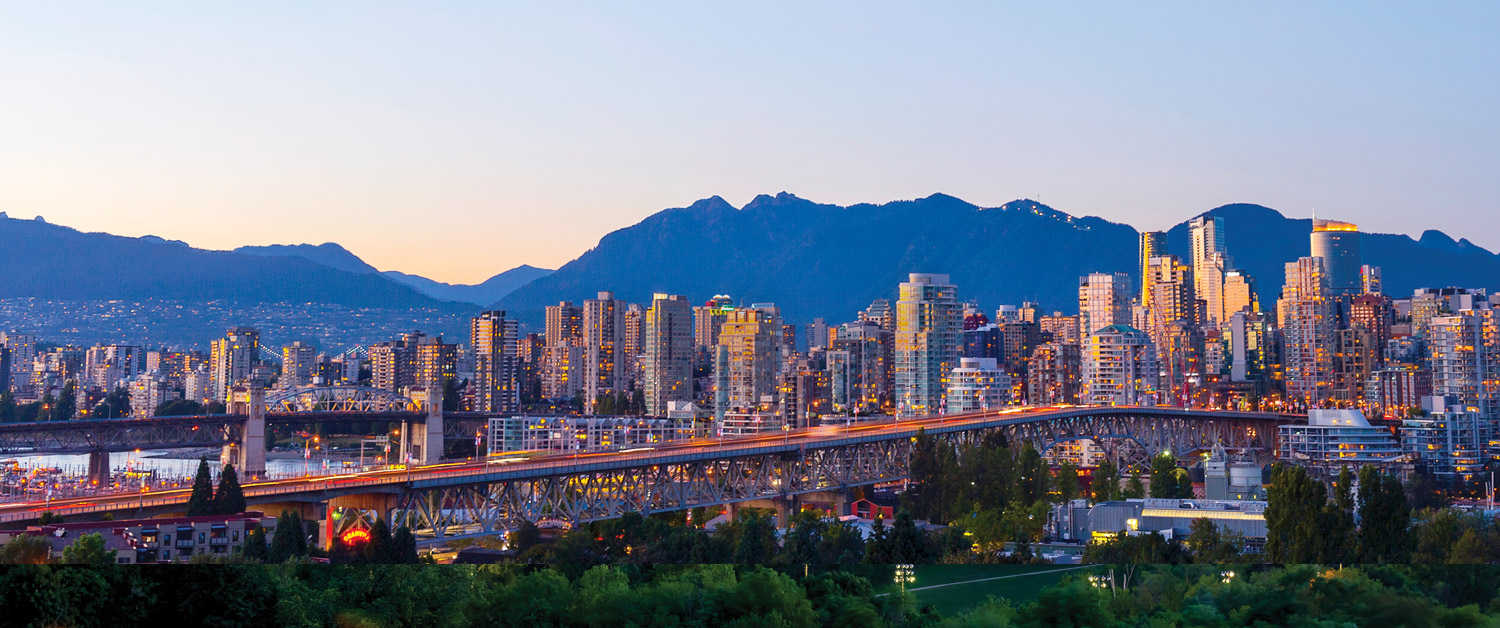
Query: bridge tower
422	443
249	455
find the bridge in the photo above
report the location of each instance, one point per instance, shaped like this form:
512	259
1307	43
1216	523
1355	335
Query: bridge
241	432
816	464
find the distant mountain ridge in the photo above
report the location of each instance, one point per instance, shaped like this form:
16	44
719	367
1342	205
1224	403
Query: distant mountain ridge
333	255
46	261
483	293
819	260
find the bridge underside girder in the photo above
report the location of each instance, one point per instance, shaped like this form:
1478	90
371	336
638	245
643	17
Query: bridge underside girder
596	495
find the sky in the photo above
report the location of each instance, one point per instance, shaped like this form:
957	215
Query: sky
455	140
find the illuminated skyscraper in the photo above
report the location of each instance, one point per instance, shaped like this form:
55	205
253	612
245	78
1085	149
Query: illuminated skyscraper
299	362
1239	294
493	343
1171	296
748	359
667	362
1305	314
1152	244
231	360
928	335
1337	243
1210	260
1464	350
1119	367
1103	300
604	369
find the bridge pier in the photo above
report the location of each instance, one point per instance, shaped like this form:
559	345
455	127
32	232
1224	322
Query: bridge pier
353	511
99	467
249	455
422	443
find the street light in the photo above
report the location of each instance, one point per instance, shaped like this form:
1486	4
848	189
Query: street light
905	574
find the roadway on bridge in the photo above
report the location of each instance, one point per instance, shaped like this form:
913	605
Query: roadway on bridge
558	464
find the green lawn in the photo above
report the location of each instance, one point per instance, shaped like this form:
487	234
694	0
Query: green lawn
1028	581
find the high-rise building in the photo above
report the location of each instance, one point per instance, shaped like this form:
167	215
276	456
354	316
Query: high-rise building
1306	319
149	390
1103	300
1337	243
564	324
632	345
1152	244
1374	315
977	384
22	349
748	359
928	328
1247	346
880	313
1356	355
1064	329
492	342
1169	294
1181	355
604	371
232	359
871	357
1119	367
707	319
1210	260
1369	279
667	362
1054	374
817	334
1239	294
1392	392
1464	351
298	365
415	359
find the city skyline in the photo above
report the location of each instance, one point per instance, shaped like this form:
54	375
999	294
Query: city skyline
540	130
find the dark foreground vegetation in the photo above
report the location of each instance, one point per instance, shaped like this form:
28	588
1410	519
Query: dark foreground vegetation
735	597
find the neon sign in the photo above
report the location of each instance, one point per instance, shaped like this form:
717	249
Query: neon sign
355	536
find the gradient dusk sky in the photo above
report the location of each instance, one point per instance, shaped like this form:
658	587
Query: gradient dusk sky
458	139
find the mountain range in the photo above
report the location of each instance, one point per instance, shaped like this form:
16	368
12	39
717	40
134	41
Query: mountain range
818	260
812	259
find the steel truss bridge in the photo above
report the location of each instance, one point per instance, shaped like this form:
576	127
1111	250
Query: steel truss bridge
777	467
452	499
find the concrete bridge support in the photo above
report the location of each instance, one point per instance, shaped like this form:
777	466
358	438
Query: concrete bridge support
422	443
99	468
249	455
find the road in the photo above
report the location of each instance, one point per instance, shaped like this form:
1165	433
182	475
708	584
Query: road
264	491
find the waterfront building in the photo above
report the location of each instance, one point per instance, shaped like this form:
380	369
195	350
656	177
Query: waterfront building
1153	244
747	360
298	365
604	369
1337	439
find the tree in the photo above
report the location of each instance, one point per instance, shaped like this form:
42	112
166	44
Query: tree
256	548
1384	518
1210	546
26	549
904	543
1294	514
201	502
1105	483
381	548
115	405
66	405
404	545
1067	481
1133	488
9	411
88	550
229	499
290	540
1168	480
